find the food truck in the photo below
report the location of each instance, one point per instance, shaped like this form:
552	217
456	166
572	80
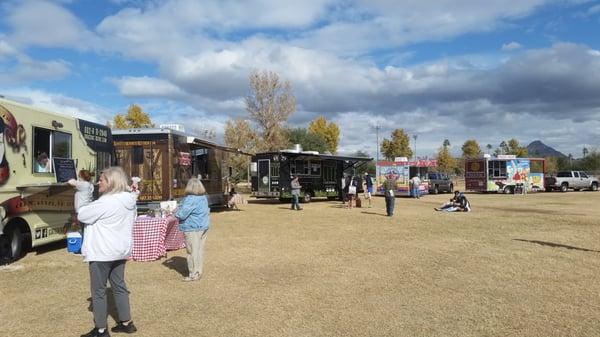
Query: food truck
504	174
320	175
165	159
39	151
403	170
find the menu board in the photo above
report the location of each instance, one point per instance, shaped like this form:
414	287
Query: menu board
64	169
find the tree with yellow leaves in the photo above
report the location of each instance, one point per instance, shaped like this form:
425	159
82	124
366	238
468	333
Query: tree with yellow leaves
329	131
135	118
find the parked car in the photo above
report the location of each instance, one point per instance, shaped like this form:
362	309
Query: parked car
439	182
576	180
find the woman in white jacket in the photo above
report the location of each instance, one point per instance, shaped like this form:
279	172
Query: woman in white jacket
107	243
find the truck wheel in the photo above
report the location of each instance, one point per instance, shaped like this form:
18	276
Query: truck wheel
564	188
594	187
508	190
306	198
11	244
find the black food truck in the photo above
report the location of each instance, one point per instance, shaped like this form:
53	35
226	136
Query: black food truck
319	174
165	159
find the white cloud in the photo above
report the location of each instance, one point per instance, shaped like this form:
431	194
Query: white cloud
146	87
511	46
46	24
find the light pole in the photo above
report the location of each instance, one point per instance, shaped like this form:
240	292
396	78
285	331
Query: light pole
377	127
415	138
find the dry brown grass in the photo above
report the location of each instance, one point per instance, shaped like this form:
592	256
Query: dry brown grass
515	266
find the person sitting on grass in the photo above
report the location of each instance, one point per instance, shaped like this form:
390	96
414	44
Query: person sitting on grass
458	203
234	200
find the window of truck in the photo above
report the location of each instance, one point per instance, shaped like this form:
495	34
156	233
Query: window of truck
497	169
48	144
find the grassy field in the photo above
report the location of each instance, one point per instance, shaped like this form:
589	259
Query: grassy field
515	266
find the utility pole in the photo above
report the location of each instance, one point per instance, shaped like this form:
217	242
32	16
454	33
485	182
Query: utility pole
415	138
377	127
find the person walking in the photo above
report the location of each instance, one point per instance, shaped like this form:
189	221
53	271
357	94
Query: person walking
107	244
389	186
369	187
295	186
194	221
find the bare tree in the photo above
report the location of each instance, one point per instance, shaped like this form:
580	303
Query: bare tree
270	103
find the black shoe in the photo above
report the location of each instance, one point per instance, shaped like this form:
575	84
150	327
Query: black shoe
96	333
120	327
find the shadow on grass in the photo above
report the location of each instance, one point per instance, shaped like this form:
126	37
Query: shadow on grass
557	245
373	213
178	264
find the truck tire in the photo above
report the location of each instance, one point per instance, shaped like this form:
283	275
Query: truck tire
12	243
564	187
594	187
508	190
306	198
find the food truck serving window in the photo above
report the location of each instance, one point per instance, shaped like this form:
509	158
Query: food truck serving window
48	144
497	169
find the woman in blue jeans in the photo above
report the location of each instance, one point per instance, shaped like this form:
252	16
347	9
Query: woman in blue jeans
193	222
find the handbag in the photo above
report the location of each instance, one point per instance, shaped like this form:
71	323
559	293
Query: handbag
351	189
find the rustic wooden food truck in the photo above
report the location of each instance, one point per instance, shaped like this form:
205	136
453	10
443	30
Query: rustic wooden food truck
504	174
320	175
165	159
35	204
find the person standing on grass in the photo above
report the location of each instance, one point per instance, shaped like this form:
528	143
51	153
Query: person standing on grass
194	222
369	187
389	187
107	244
415	182
352	190
295	187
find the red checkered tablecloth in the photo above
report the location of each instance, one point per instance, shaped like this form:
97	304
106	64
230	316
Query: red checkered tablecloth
153	236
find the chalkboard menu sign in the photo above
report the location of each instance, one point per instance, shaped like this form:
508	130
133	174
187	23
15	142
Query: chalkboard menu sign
64	169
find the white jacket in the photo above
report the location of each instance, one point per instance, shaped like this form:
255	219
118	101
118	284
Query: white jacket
108	234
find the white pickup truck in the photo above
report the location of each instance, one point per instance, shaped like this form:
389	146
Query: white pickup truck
576	180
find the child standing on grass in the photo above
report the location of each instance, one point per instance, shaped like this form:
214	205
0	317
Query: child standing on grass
84	194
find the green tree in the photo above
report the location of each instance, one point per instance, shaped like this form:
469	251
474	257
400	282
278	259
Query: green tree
309	141
471	149
551	165
591	162
239	135
270	103
445	162
329	131
398	146
515	148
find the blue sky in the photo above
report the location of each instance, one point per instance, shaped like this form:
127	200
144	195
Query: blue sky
484	70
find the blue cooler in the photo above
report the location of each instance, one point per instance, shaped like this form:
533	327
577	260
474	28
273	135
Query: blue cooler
74	242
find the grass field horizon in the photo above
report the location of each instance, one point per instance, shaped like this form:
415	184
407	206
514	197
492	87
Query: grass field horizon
514	266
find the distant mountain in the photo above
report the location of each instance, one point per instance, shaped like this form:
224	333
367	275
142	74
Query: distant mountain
539	149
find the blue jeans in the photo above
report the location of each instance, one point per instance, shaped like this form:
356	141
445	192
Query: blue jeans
295	202
389	205
415	192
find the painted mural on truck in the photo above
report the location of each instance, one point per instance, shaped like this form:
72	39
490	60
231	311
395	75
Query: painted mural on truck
403	171
504	174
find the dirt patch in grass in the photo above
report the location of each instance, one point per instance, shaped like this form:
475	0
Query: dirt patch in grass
515	266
